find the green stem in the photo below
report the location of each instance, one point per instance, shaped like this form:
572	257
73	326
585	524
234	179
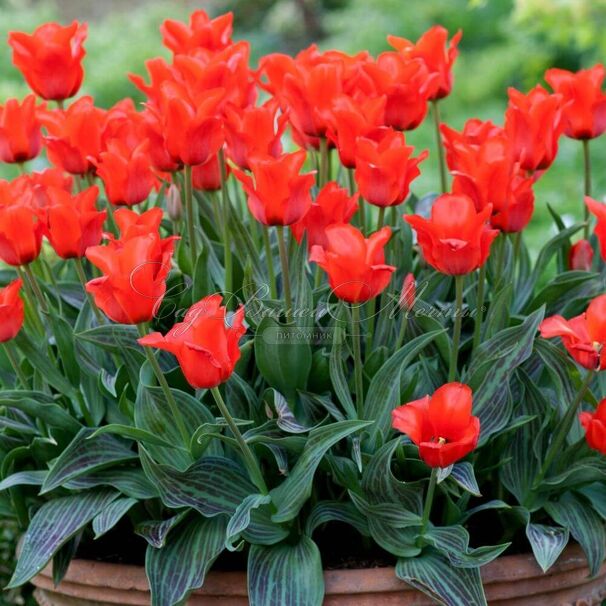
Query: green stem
249	457
285	272
226	239
113	226
403	327
31	300
381	218
357	351
587	182
270	263
91	301
33	282
323	176
10	354
440	148
456	335
176	413
517	243
189	213
431	490
477	329
555	448
499	260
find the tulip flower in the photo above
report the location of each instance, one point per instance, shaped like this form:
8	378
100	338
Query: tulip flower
583	336
73	222
385	167
580	256
594	424
74	136
278	194
333	205
475	133
584	101
50	59
599	210
439	56
456	239
38	182
207	176
134	271
205	343
11	311
21	225
534	123
441	425
132	224
201	33
355	265
253	131
126	173
20	137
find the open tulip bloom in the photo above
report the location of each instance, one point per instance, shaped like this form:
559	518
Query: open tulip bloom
231	319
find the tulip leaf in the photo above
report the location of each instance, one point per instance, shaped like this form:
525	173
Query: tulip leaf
156	531
336	511
181	565
129	481
463	474
286	574
337	371
40	407
547	543
133	433
23	478
432	574
240	520
52	526
105	520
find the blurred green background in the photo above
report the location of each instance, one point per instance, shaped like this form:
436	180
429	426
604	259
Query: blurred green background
505	43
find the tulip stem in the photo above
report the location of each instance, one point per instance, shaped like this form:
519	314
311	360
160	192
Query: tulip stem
35	315
555	447
477	329
10	354
91	301
168	394
250	459
226	239
403	327
587	183
189	212
270	263
35	288
441	162
356	326
456	334
285	272
381	218
323	175
431	490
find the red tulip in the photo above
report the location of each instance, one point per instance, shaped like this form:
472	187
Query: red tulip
438	55
11	311
409	292
126	173
201	33
20	138
205	343
253	131
73	221
355	265
599	210
456	240
50	59
207	176
534	123
333	205
385	167
134	270
21	227
585	102
475	132
74	136
132	224
594	424
37	183
441	425
278	195
583	336
580	256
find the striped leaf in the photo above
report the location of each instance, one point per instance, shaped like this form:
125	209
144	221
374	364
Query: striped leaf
585	525
240	521
114	338
286	575
336	511
290	496
181	565
156	531
401	542
131	482
133	433
85	455
547	543
111	515
23	478
52	526
337	369
212	485
464	476
434	576
38	408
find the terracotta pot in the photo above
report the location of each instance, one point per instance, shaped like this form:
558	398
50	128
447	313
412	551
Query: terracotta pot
509	581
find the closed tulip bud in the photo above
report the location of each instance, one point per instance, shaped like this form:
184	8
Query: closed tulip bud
409	293
598	209
580	256
174	207
594	424
11	311
20	138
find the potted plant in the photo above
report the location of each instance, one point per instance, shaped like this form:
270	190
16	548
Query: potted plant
282	365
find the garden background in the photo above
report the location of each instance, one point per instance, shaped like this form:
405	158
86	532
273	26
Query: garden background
505	43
